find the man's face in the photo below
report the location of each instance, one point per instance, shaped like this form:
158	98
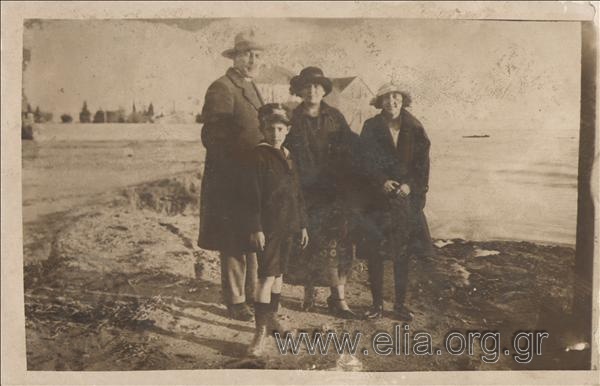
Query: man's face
247	63
275	133
392	103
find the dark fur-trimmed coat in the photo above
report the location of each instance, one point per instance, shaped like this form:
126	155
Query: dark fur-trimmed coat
406	163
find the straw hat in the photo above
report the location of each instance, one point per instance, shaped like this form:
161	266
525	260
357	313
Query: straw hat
388	88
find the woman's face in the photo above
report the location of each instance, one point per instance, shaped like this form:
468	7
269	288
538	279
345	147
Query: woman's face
312	94
392	103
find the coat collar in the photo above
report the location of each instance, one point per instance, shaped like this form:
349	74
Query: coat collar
249	90
325	110
279	153
382	125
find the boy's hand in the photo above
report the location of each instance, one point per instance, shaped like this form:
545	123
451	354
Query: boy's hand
257	240
304	238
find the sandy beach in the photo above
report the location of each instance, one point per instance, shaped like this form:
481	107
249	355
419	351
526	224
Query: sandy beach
119	284
113	102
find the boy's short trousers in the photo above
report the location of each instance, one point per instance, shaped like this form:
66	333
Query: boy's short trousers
273	260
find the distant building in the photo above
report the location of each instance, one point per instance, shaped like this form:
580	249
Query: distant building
27	121
352	96
40	116
175	117
273	83
99	117
115	116
145	116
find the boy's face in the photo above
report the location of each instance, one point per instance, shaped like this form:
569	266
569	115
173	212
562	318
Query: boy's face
275	133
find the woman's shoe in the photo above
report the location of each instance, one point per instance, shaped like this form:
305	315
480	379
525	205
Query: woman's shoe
308	305
376	312
403	313
240	311
339	308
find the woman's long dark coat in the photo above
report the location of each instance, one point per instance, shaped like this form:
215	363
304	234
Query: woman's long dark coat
408	162
230	132
327	159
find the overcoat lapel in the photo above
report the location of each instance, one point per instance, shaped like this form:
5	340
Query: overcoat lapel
249	90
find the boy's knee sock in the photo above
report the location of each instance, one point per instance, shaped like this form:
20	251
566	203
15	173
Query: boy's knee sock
261	313
275	299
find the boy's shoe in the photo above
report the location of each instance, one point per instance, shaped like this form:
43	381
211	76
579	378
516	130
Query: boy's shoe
376	312
261	321
274	325
403	313
257	345
240	311
308	304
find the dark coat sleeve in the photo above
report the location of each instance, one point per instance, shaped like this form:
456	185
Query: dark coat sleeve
217	116
421	161
253	195
345	153
294	142
301	203
371	157
341	121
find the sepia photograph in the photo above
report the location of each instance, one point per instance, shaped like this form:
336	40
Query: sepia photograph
362	194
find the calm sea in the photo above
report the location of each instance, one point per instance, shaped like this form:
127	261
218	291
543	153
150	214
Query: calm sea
509	186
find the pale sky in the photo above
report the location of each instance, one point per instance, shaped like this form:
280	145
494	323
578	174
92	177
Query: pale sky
456	70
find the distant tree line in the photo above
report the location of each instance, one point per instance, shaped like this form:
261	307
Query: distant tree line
113	116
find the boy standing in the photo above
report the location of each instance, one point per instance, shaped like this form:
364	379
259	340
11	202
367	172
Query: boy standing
275	215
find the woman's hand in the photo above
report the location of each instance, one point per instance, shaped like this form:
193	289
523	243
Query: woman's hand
390	186
257	240
404	190
304	238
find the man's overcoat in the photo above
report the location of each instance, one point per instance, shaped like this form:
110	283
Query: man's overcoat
230	132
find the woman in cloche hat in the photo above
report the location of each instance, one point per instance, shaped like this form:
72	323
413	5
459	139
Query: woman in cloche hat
323	146
396	161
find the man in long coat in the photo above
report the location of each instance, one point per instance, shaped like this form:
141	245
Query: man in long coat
230	131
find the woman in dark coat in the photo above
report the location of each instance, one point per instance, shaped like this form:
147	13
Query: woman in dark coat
396	161
323	145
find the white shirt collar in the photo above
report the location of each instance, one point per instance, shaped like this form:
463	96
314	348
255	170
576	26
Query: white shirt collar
395	134
285	151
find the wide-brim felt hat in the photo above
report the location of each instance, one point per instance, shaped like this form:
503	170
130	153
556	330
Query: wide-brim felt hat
243	41
386	89
310	75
